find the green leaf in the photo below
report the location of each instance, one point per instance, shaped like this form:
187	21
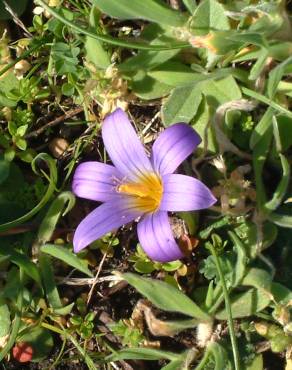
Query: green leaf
275	77
253	38
147	59
108	39
246	304
144	267
261	128
267	101
281	220
65	57
21	130
96	54
221	91
258	278
209	16
5	320
48	279
241	260
150	10
9	154
278	51
248	233
285	131
280	293
216	355
148	88
6	102
181	105
175	74
219	354
141	353
20	143
259	65
50	220
165	296
66	256
184	358
171	266
282	187
95	50
175	326
22	261
174	365
259	156
12	128
27	155
63	311
68	89
257	363
8	81
200	124
191	5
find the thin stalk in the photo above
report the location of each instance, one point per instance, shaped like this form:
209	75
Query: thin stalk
109	39
228	308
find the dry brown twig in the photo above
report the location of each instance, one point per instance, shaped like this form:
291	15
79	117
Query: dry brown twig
54	122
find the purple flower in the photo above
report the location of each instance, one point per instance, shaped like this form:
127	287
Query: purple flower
138	186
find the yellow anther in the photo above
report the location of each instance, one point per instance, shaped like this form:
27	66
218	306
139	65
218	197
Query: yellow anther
146	194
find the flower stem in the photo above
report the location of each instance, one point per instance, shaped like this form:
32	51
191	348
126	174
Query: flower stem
228	308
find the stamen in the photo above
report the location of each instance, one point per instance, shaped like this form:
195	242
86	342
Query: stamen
146	194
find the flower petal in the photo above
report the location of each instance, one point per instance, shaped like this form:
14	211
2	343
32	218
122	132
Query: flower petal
96	181
185	193
155	236
123	146
103	219
173	146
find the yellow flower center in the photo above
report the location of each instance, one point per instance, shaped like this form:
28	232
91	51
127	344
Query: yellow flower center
146	193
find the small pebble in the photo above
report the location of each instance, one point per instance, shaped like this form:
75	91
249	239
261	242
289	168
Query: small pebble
58	146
